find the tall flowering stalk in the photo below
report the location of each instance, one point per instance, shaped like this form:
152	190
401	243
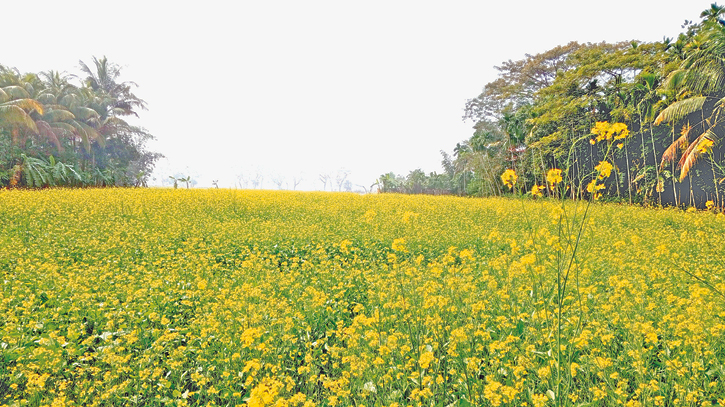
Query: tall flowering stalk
570	227
612	134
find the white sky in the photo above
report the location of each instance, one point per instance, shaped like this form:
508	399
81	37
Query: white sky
301	88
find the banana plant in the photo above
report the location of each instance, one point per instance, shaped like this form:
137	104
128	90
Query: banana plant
186	179
41	173
36	171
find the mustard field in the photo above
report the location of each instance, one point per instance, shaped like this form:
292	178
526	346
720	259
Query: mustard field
260	298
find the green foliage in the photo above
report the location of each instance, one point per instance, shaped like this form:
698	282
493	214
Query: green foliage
40	173
539	112
79	129
417	182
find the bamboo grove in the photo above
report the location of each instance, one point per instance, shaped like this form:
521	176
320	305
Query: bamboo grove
57	133
542	113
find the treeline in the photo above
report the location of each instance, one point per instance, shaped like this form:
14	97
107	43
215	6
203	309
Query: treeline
54	132
543	112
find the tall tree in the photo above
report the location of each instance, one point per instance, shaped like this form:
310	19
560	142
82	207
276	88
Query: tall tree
44	116
114	97
699	86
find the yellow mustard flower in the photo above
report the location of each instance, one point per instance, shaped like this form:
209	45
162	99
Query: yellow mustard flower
536	190
594	187
606	131
604	168
553	176
509	178
399	245
425	359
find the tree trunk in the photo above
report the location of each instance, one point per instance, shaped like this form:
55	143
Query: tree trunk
714	179
657	170
644	157
672	166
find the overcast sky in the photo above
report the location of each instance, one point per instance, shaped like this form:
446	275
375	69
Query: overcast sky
302	88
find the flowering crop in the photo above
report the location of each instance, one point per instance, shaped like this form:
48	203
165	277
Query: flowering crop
260	298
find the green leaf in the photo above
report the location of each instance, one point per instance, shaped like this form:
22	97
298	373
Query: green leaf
680	109
12	115
16	92
58	115
67	127
85	113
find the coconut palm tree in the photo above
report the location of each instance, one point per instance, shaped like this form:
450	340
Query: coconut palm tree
85	125
17	105
14	113
67	114
698	87
713	13
115	98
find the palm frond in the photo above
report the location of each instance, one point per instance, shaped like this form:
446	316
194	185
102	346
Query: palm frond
681	108
81	132
26	104
54	106
649	79
689	157
85	113
671	152
70	99
674	80
59	115
93	134
706	75
45	130
16	92
4	97
65	127
115	121
15	116
46	98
